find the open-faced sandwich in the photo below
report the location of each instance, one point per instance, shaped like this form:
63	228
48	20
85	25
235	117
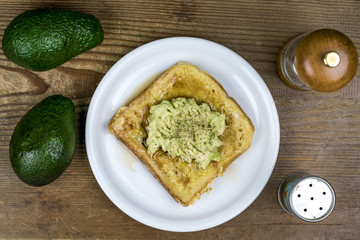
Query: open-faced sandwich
185	129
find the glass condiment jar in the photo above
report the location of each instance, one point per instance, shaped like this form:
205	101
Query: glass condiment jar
324	60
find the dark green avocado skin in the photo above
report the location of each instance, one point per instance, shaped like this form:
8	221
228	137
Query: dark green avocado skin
43	142
44	38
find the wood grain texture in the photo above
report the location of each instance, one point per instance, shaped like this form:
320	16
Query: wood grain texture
320	132
317	75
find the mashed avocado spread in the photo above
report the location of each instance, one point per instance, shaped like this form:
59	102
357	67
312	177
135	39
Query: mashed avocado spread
184	129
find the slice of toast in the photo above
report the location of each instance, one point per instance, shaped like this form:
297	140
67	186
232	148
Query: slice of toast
184	181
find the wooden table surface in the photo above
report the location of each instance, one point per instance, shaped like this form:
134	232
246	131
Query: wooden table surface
320	132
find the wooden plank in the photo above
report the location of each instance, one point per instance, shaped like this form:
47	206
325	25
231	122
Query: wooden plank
320	132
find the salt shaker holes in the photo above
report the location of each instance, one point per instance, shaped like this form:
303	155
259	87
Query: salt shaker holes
308	197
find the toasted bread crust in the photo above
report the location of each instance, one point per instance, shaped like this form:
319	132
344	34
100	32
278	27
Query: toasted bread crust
184	181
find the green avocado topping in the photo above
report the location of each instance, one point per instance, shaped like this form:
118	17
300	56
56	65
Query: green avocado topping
184	129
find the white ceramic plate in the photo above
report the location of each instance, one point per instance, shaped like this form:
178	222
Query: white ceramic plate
128	183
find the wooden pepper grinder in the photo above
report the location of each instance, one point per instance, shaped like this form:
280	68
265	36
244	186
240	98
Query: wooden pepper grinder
324	60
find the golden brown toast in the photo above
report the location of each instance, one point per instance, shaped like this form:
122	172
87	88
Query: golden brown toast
184	181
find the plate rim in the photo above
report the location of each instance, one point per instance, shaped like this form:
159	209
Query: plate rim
107	78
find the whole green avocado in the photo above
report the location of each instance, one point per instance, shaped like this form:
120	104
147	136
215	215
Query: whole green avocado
44	38
43	142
